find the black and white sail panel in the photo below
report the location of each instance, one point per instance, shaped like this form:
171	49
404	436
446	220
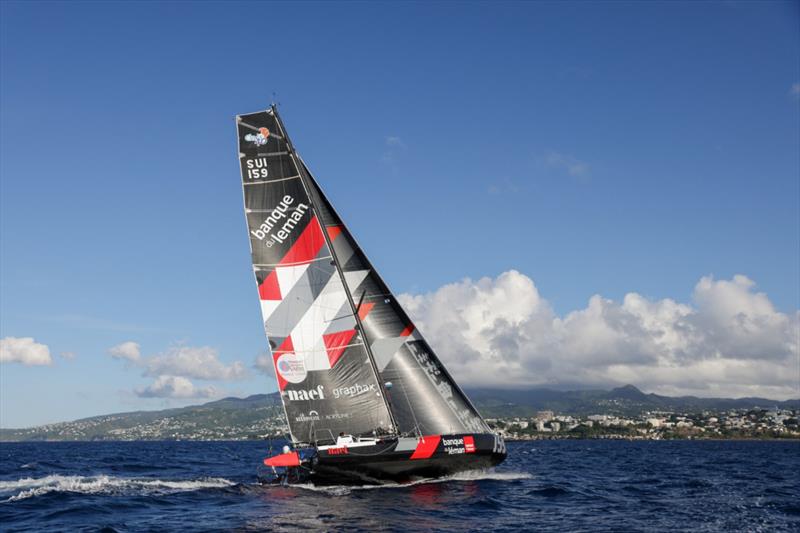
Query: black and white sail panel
327	381
423	397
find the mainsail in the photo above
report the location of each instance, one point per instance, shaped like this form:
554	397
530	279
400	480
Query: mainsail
346	355
326	378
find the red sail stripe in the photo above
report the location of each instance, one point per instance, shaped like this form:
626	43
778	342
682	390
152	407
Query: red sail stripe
364	310
408	331
333	232
426	446
336	343
269	288
307	246
285	347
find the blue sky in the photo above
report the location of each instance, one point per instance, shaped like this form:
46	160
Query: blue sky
605	148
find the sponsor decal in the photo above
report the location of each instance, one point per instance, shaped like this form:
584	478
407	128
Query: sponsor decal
312	416
469	444
338	416
274	218
338	451
459	445
260	138
257	168
355	390
305	395
291	368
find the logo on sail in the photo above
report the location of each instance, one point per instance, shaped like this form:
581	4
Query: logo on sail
305	395
355	390
260	138
291	368
277	214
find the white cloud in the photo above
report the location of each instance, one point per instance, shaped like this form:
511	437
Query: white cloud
190	362
69	356
176	387
391	156
730	341
129	351
568	164
395	142
24	350
264	364
795	90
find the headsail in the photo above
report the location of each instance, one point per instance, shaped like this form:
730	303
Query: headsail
424	398
328	381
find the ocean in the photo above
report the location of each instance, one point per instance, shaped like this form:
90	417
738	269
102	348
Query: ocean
560	485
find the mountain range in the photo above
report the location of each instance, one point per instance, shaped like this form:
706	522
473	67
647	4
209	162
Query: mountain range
261	414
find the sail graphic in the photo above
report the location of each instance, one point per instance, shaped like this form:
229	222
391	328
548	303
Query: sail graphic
327	378
424	398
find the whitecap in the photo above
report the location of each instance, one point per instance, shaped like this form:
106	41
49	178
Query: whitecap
31	487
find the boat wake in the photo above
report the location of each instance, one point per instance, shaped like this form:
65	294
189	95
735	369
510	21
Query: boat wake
470	475
25	488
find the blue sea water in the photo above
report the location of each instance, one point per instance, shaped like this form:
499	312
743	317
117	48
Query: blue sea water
571	485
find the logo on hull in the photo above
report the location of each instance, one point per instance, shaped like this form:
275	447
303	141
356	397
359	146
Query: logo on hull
459	445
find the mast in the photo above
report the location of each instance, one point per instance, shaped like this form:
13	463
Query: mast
304	179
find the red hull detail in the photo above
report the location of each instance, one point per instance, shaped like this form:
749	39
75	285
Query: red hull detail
284	459
336	343
307	246
426	446
469	444
269	288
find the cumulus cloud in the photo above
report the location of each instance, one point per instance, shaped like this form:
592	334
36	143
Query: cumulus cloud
264	364
129	351
176	387
24	350
568	164
729	341
190	362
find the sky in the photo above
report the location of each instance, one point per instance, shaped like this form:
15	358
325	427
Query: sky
565	194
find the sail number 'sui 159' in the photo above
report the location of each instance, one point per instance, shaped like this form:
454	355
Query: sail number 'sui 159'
257	168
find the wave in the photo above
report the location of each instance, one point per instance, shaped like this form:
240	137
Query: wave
31	487
468	475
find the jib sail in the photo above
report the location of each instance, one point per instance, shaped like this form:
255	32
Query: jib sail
327	379
424	398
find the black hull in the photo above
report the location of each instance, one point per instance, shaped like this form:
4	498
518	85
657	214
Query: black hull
400	469
398	460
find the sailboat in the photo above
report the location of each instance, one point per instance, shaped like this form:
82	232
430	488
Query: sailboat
365	397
